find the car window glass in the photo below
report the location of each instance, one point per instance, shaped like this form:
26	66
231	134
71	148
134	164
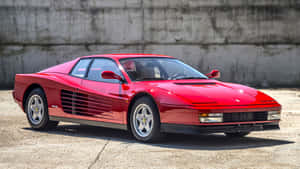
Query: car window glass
172	69
100	65
140	69
80	68
157	73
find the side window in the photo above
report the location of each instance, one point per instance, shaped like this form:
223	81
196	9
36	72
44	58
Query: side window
100	65
80	68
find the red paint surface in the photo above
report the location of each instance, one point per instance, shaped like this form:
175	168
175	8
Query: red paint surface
180	104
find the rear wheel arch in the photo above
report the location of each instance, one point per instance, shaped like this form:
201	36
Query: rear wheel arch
37	113
28	90
134	99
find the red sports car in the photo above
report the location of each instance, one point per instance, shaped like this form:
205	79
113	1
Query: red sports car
145	94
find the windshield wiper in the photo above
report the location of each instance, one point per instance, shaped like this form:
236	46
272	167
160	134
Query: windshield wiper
190	78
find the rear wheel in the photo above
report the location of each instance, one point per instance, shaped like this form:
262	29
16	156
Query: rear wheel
237	134
144	120
36	109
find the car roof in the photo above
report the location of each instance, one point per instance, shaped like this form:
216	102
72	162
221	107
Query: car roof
127	55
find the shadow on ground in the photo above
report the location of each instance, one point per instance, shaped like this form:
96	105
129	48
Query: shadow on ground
178	141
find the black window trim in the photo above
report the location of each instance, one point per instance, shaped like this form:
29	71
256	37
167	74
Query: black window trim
89	66
147	57
70	73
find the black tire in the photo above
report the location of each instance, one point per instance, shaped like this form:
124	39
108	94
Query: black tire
155	133
237	134
45	123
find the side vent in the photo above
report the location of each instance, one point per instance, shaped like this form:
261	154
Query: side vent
83	104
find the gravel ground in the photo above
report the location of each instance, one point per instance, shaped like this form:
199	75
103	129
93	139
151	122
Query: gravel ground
76	146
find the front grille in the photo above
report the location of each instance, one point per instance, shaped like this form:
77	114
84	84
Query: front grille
245	116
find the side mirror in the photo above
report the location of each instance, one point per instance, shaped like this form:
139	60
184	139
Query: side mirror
111	75
214	74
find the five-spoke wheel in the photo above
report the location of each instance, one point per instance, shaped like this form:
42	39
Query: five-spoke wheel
36	108
144	120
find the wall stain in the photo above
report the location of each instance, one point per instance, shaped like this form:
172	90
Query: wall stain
233	26
84	4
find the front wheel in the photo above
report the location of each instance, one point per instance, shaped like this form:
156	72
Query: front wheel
144	120
36	109
237	134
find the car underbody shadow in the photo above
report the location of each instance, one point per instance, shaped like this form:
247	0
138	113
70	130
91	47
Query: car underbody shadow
178	141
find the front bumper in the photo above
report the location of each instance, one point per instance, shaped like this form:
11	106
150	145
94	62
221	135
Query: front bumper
194	129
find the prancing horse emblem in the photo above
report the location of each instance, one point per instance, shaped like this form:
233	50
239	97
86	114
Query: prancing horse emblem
237	100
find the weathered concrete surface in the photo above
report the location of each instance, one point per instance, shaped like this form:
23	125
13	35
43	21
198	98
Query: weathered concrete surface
75	146
131	21
209	31
269	65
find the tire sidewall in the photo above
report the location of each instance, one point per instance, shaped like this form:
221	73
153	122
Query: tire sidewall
156	120
45	117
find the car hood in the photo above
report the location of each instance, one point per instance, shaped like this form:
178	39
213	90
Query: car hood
213	91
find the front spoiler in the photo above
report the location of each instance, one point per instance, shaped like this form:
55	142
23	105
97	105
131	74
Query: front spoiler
194	129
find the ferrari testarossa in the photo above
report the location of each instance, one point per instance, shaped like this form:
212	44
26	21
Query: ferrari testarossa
145	94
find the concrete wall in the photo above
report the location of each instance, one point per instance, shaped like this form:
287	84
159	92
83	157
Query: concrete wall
254	42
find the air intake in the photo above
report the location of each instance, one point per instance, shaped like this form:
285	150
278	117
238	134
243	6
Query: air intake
245	116
83	104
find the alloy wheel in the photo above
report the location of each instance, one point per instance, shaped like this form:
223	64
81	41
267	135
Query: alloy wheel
35	109
143	120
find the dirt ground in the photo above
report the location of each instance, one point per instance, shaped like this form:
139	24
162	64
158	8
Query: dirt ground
76	146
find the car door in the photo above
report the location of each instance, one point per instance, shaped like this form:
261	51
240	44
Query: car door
72	101
107	97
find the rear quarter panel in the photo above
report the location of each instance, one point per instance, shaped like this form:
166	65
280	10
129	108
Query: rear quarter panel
51	83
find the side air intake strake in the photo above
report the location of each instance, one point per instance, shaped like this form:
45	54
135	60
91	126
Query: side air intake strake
83	104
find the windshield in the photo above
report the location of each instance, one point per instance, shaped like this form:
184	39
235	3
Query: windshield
143	69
